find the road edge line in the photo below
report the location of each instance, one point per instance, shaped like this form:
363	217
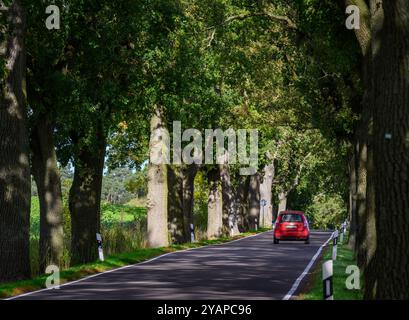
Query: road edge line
131	265
297	282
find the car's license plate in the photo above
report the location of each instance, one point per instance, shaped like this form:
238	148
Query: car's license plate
291	227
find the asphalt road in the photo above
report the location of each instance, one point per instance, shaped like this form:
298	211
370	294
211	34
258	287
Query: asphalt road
251	268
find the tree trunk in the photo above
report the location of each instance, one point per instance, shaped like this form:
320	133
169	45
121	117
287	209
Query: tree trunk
254	201
176	221
361	188
85	199
189	174
14	153
242	203
366	238
180	202
282	201
352	198
230	221
265	194
370	240
157	185
47	177
391	154
215	206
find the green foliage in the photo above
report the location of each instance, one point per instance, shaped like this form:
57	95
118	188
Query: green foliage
112	214
138	183
115	186
118	239
208	64
35	217
326	212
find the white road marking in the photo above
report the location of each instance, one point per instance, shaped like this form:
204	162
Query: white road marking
305	272
133	265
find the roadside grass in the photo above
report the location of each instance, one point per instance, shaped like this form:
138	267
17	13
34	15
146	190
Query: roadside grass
345	257
111	262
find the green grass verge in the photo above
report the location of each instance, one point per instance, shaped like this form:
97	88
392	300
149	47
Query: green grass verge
111	262
345	257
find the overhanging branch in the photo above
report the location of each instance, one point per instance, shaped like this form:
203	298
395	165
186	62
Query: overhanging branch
278	18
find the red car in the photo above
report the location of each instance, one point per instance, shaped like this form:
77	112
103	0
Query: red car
291	225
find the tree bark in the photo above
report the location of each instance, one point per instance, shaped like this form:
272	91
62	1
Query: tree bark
352	198
282	201
15	181
370	240
180	202
157	185
188	184
254	201
215	206
242	203
265	194
391	153
176	221
47	177
85	199
361	187
365	225
366	233
230	221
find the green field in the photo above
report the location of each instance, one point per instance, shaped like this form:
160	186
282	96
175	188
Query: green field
123	229
111	214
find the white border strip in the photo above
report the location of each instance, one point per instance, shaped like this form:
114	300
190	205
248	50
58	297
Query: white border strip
305	272
136	264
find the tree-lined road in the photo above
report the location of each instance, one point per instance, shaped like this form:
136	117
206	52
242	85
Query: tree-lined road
251	268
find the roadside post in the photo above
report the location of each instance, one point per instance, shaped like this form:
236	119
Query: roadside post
100	249
327	272
263	204
345	226
341	237
334	245
192	233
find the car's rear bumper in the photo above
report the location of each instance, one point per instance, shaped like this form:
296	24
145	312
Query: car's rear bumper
292	238
300	235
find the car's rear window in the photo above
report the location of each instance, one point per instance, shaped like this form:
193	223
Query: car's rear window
291	218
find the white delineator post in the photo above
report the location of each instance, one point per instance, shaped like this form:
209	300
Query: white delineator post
334	245
100	249
327	272
263	203
341	236
192	233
